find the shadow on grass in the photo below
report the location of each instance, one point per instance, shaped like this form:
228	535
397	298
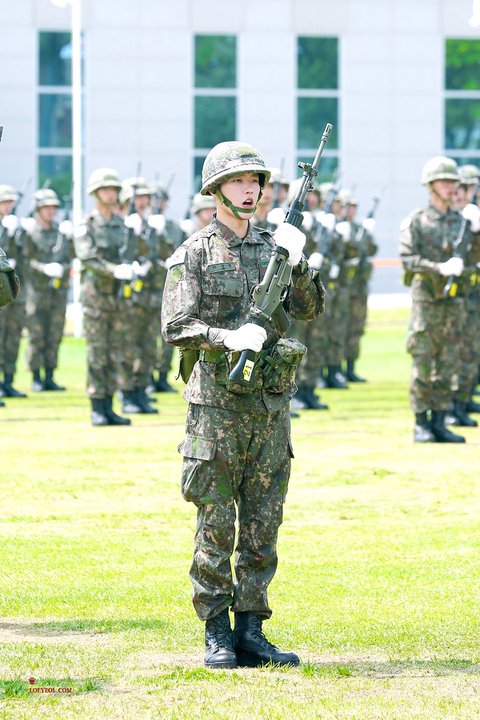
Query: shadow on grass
391	668
81	626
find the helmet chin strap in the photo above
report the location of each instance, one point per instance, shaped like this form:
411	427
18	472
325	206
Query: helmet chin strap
236	210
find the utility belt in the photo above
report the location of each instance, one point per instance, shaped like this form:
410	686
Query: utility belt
436	285
275	366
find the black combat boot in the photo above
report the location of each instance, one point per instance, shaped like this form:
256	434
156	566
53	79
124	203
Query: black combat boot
442	434
351	374
112	417
335	379
460	413
219	652
144	402
162	384
130	402
253	648
98	415
298	401
9	390
422	432
311	399
472	406
2	404
50	383
37	384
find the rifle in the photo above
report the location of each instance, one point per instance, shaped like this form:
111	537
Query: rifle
460	249
268	295
125	290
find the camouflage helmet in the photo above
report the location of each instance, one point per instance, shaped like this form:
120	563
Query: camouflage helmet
138	183
228	159
439	168
201	202
346	197
102	178
7	192
44	197
276	176
469	174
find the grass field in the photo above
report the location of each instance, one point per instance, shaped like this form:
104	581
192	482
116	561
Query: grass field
377	586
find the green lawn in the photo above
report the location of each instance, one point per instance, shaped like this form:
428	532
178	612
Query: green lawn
377	586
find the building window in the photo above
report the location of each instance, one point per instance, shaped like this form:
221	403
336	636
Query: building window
215	96
54	105
462	100
317	100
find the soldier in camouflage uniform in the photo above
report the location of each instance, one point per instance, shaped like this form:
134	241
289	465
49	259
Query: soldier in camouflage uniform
48	251
237	448
359	269
427	251
102	244
12	319
9	287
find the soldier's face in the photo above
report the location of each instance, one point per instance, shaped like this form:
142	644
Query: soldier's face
108	196
5	207
242	191
142	202
445	189
204	216
47	213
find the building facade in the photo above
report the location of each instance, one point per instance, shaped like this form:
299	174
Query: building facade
164	81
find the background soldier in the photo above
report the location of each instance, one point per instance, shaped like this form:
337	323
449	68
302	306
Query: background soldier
237	446
8	286
12	319
48	252
428	238
101	244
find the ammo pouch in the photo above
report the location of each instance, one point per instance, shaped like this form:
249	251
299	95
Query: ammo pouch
407	277
280	364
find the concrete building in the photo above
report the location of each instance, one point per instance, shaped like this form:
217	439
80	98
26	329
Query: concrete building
157	73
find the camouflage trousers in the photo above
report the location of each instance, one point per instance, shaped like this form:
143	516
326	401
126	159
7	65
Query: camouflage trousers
336	323
104	330
311	335
433	342
142	326
235	465
12	322
46	310
357	320
469	351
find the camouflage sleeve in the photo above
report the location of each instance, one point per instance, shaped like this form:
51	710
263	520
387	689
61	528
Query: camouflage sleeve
86	251
181	322
410	249
9	284
306	295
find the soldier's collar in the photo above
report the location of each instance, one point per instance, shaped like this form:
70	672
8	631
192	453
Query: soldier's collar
230	238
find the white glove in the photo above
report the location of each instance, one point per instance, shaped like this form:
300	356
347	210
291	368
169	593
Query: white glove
157	222
141	269
315	261
334	272
369	225
187	225
53	270
344	229
328	221
66	228
471	212
123	272
10	223
247	337
290	238
12	262
134	222
276	216
454	266
28	224
307	221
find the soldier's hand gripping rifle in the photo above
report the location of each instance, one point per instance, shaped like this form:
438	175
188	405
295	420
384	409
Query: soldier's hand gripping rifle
268	295
461	246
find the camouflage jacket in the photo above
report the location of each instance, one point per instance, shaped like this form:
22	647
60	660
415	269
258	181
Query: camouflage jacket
208	292
366	248
101	245
8	281
43	246
427	239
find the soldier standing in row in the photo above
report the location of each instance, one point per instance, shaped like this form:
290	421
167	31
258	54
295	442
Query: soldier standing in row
237	448
48	252
101	244
427	244
12	319
9	287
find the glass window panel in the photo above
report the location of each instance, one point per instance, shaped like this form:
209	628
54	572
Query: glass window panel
197	172
317	63
56	172
55	120
312	116
471	160
54	64
327	168
215	120
215	61
462	62
462	124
